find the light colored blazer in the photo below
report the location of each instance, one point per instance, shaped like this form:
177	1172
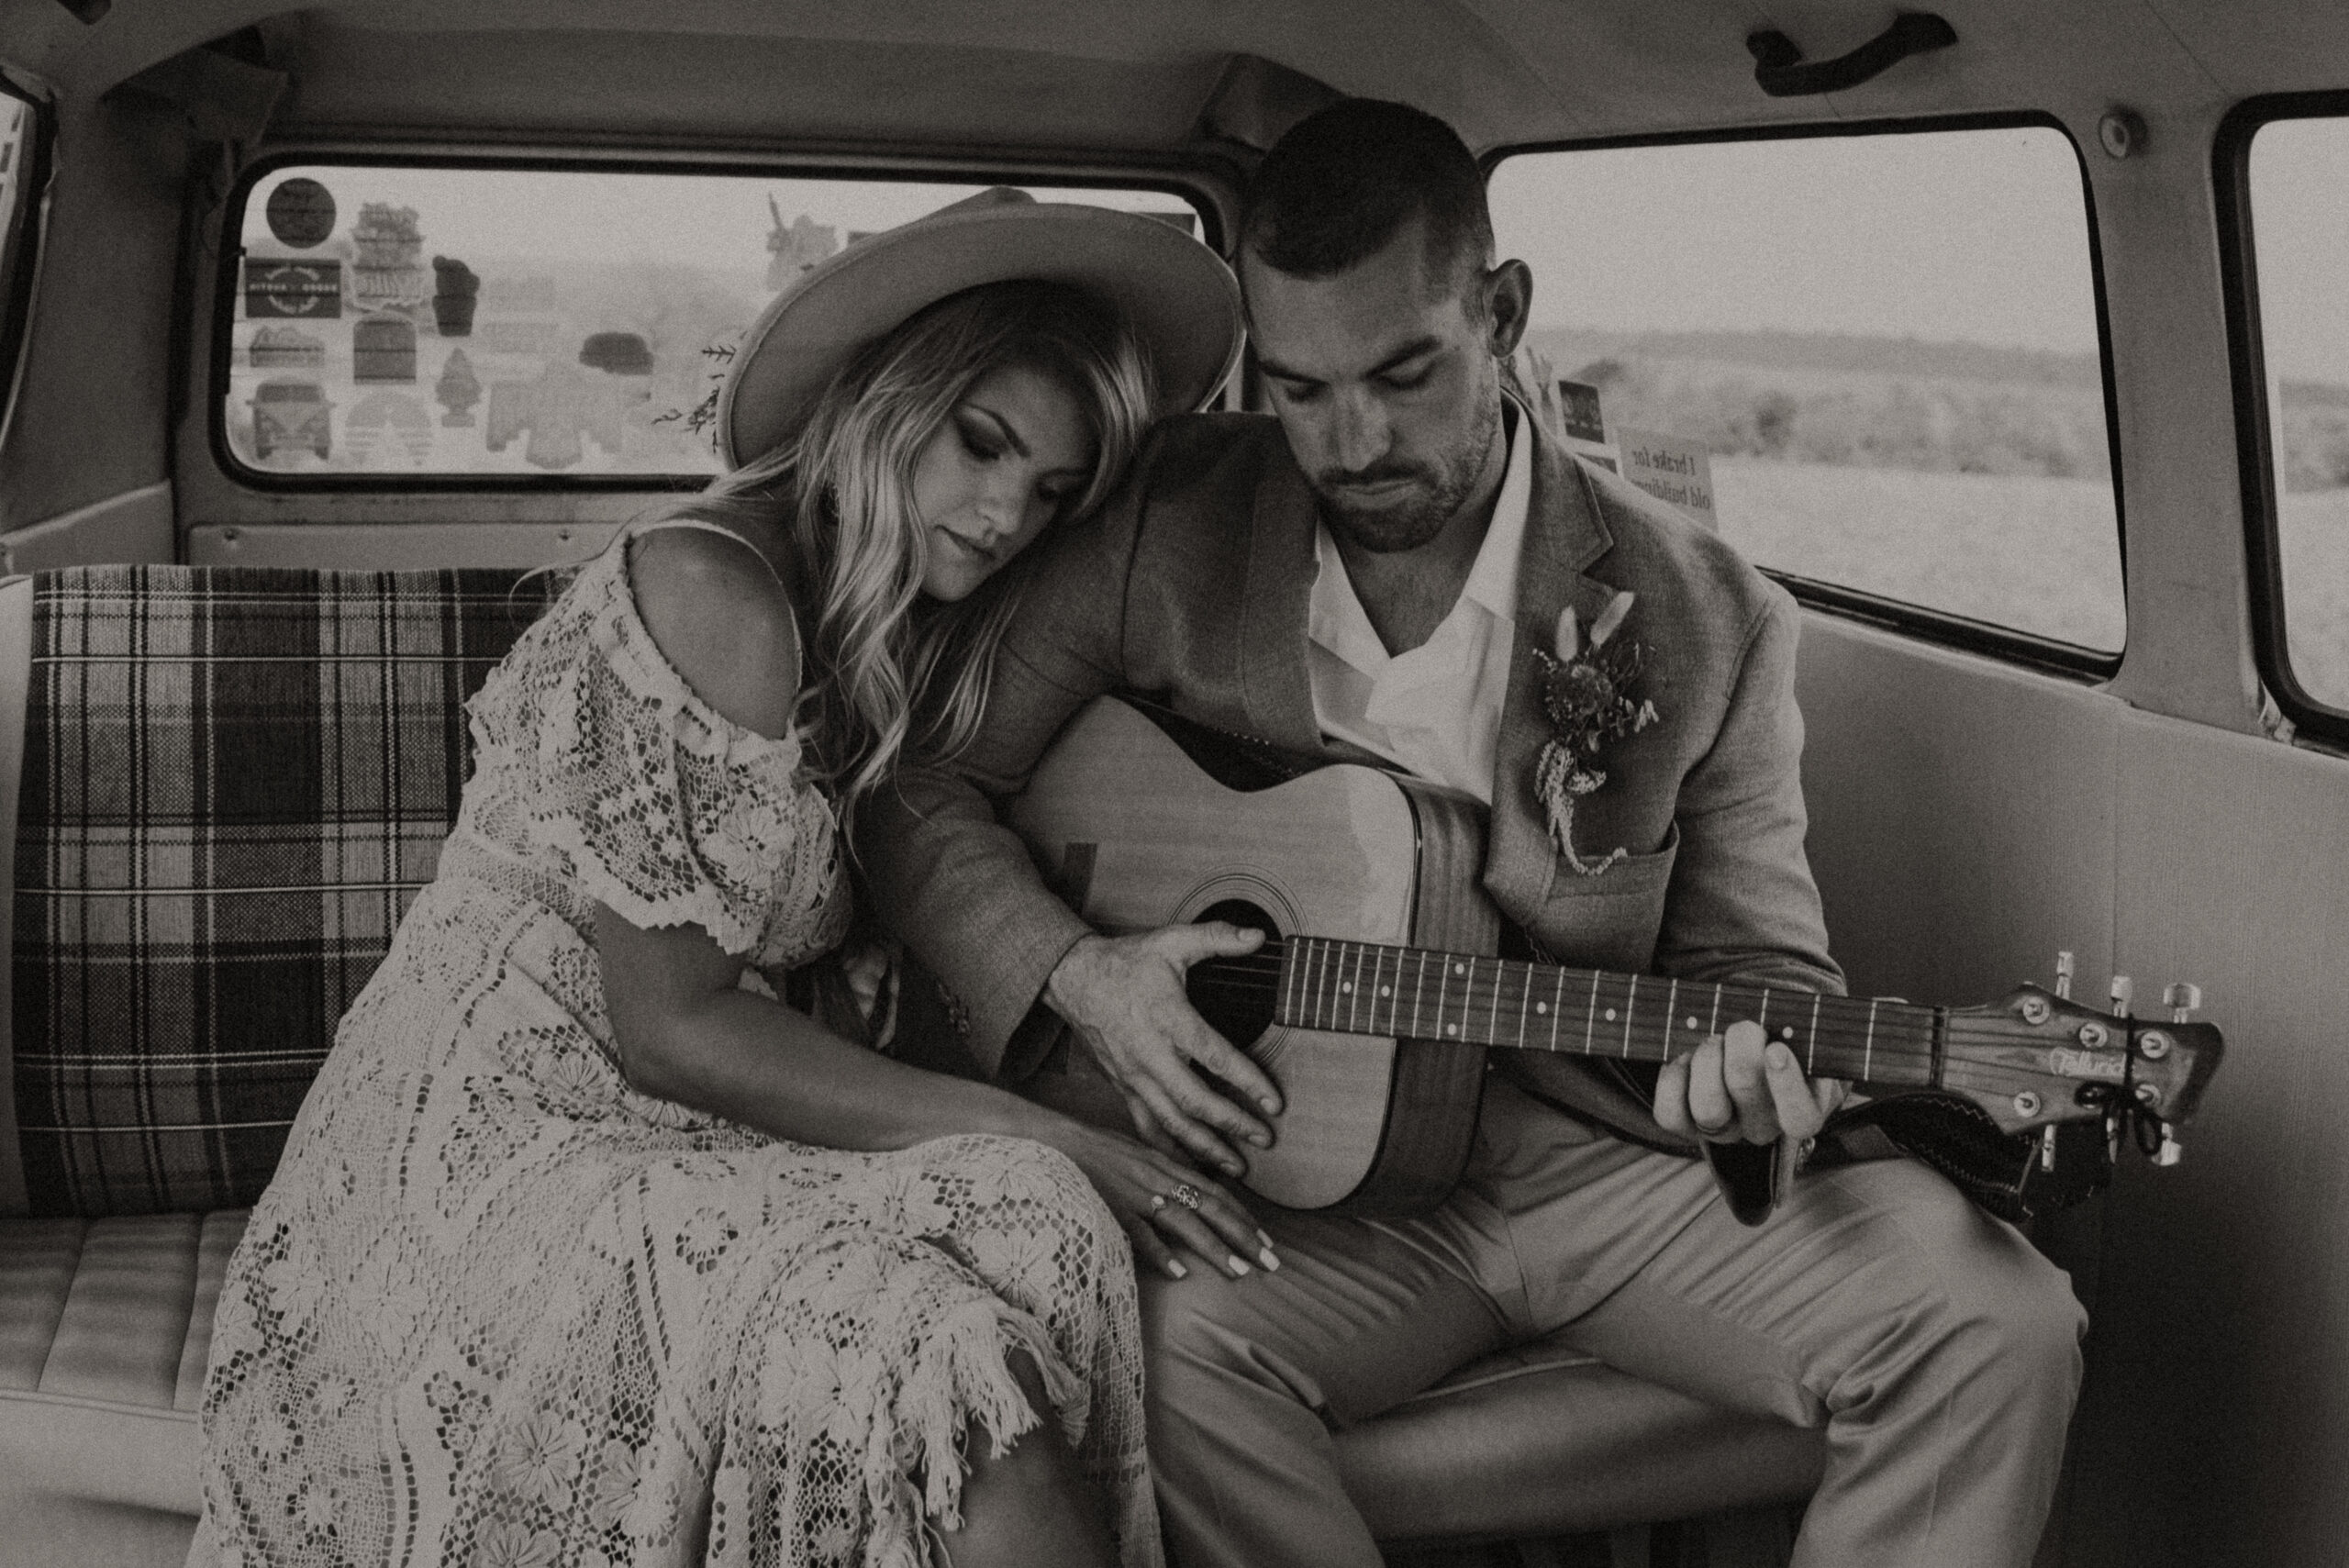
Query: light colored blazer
1192	585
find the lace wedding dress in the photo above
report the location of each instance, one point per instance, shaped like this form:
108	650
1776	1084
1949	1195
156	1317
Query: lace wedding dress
498	1308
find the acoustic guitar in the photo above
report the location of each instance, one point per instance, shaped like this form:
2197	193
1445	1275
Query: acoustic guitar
1377	993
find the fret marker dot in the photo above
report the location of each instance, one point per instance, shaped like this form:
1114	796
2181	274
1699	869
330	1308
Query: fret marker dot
1786	1031
1345	985
1690	1021
1610	1015
1459	969
1384	991
1452	1028
1540	1006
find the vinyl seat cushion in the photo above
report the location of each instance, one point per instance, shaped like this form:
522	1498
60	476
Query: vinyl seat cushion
104	1325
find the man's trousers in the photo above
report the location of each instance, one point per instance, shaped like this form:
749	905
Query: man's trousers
1938	1348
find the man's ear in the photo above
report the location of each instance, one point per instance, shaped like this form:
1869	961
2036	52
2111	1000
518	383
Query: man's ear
1508	305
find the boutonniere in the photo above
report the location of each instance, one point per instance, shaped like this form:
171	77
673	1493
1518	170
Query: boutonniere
1586	692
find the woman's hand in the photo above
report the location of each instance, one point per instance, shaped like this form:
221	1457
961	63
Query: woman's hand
1163	1203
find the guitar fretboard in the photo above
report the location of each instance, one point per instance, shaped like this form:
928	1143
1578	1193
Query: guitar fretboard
1361	988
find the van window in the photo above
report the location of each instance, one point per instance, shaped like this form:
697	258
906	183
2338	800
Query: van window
1872	362
565	325
2298	189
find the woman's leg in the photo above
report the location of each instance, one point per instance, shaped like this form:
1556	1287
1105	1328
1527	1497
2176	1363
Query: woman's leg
1030	1506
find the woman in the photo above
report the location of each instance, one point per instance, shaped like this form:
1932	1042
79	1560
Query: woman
586	1249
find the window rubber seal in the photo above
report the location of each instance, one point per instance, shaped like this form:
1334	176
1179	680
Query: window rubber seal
2254	440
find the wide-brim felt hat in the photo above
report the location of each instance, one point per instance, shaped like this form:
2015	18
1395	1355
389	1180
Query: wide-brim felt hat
1181	299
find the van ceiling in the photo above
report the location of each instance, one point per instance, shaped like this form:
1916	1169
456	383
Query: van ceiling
1135	74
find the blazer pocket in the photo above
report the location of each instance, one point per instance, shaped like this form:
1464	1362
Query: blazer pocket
1610	920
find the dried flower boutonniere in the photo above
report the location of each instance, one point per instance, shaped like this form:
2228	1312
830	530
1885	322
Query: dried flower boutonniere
1584	690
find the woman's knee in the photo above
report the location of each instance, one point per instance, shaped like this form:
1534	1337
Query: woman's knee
1021	1170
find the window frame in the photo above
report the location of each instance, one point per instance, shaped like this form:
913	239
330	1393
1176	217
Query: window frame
20	250
2254	430
1940	627
228	278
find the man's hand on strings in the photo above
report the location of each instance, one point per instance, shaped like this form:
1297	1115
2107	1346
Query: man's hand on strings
1741	1086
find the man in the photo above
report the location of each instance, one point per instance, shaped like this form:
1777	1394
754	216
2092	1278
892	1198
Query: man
1374	571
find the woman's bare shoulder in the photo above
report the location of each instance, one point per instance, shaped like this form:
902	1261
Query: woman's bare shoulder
722	620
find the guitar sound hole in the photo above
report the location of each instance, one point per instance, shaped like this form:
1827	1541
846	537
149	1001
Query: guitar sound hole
1236	995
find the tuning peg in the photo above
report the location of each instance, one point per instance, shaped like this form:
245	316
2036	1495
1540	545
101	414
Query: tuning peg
2063	975
2123	988
2171	1150
2183	999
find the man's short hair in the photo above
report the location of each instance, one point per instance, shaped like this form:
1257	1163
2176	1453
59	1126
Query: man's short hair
1337	188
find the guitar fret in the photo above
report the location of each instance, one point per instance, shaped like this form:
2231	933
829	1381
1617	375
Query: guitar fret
1354	989
1493	1014
1522	1006
1630	998
1557	1005
1713	1024
1590	1018
1810	1058
1418	990
1867	1050
1671	1009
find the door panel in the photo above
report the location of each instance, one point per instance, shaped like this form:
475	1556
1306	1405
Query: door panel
1961	815
1968	818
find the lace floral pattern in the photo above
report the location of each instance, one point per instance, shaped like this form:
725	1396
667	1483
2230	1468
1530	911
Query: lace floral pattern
499	1309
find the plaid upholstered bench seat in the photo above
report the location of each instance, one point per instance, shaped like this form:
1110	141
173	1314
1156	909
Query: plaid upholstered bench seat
218	791
224	788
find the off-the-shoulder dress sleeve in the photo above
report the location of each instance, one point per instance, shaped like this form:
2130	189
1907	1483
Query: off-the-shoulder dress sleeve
652	802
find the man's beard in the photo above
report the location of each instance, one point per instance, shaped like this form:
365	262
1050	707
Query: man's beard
1422	513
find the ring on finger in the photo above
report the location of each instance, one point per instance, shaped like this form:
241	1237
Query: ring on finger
1186	1194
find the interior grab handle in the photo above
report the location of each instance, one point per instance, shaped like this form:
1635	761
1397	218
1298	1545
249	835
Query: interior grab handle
1779	71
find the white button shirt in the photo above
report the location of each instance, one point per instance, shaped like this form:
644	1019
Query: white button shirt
1434	711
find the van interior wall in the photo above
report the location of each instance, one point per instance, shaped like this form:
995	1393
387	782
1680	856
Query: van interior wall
1970	818
92	419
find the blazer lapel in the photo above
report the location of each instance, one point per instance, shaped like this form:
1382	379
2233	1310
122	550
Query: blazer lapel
1564	535
1276	689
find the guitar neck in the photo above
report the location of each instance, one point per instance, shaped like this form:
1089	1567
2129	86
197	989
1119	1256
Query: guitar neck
1411	993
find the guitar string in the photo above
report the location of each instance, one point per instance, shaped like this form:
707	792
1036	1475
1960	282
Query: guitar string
1487	991
1990	1077
1491	998
1961	1034
1488	983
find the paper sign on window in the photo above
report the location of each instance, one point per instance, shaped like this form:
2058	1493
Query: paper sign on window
1671	470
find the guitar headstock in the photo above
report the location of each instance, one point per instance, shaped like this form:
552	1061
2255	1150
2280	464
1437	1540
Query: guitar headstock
2036	1058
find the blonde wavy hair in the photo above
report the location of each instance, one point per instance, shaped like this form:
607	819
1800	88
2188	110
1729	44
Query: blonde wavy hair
891	676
